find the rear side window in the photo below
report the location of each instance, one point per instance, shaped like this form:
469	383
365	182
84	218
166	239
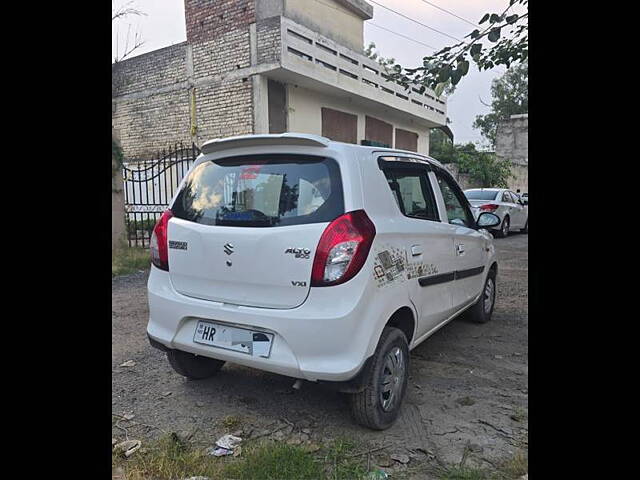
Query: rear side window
481	194
412	192
262	191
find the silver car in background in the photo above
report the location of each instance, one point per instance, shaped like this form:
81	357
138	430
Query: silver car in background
512	210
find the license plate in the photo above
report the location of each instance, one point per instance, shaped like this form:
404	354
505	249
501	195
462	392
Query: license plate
256	344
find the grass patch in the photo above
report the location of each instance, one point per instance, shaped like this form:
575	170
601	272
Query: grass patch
275	462
170	458
167	458
339	462
127	260
516	466
510	469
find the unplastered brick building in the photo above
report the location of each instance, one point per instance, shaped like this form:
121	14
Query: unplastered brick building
512	143
267	66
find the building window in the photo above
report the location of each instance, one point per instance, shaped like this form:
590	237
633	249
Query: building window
378	132
406	140
339	126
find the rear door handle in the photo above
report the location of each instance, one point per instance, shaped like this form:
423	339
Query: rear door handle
416	250
460	249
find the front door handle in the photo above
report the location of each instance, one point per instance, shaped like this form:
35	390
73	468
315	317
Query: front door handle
416	250
460	249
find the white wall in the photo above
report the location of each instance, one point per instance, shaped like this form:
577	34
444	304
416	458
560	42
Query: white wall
329	18
305	115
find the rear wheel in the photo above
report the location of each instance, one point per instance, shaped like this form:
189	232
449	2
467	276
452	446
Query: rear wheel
483	308
504	229
385	381
192	366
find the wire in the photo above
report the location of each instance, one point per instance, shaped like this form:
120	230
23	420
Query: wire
450	13
415	21
399	34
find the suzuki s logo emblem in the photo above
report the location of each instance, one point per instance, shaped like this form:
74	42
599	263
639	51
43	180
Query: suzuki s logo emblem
228	248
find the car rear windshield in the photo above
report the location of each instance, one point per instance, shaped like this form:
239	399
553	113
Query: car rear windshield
262	191
481	194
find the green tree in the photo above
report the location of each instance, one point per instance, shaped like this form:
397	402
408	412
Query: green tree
503	40
483	168
509	96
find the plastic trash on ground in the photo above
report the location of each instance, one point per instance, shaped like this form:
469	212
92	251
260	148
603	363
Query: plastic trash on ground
377	475
225	445
128	447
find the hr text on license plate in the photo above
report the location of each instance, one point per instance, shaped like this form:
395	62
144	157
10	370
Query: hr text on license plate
257	344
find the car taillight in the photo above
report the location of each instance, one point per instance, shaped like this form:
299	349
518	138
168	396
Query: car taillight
159	242
343	249
490	207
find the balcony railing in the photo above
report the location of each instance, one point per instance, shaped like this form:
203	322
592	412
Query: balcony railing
303	47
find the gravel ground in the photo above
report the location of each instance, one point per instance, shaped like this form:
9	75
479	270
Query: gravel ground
467	396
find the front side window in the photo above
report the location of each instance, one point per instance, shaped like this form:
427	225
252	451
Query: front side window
412	192
454	201
262	191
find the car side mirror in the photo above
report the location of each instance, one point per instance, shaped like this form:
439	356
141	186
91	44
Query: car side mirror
488	220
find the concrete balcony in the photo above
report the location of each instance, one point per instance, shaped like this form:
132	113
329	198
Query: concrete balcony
310	60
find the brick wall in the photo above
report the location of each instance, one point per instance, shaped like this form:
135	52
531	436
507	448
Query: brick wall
160	68
268	34
207	19
224	110
152	93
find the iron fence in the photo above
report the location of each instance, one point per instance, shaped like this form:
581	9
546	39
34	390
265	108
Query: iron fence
149	186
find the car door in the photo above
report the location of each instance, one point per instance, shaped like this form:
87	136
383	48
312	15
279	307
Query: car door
470	246
518	211
427	242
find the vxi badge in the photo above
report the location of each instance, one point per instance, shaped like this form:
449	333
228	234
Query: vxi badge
298	252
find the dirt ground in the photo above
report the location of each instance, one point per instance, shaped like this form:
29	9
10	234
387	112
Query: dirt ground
467	396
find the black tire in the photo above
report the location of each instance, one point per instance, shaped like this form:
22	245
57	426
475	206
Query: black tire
526	227
367	406
192	366
479	313
504	228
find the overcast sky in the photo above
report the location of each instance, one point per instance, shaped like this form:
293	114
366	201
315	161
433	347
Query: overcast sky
164	25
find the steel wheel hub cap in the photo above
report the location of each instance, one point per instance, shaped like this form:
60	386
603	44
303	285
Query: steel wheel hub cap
489	295
392	379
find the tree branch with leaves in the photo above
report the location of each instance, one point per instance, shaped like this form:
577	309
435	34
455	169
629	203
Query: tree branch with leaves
131	44
504	41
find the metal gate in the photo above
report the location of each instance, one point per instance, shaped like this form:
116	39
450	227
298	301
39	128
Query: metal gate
149	186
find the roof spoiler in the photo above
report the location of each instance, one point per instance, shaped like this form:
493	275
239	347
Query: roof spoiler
300	139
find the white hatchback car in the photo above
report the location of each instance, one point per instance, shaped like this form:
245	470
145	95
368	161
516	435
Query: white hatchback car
319	260
508	206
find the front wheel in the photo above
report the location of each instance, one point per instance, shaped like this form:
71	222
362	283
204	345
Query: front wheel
385	381
504	229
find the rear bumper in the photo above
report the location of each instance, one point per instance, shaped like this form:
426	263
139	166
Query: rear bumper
328	337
